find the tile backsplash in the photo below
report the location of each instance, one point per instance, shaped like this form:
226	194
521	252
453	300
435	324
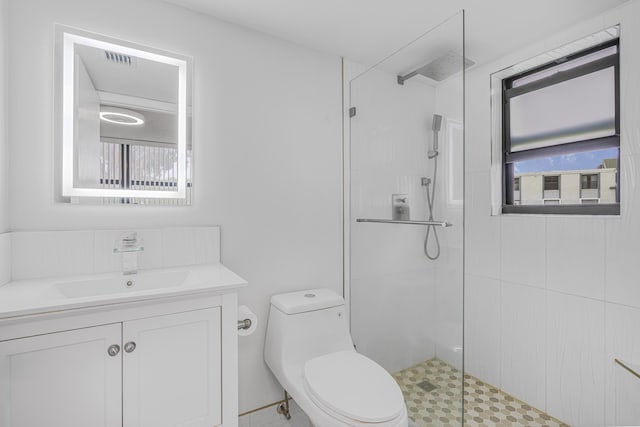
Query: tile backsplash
5	258
35	254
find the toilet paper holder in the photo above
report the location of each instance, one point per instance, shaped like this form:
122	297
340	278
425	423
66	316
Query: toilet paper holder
244	324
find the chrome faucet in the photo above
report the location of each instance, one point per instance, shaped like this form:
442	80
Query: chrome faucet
128	245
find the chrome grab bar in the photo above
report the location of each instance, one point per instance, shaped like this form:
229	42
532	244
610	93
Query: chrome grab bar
628	368
395	221
244	324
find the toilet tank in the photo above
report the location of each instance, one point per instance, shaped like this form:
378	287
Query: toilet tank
303	325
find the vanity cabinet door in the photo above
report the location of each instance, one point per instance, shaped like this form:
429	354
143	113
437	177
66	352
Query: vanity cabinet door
172	370
62	379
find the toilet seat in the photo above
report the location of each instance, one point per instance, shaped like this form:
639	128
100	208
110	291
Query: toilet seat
349	385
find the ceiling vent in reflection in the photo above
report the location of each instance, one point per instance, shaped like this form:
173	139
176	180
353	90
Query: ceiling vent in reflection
118	58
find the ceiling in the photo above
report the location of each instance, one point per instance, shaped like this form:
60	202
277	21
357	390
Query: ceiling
367	31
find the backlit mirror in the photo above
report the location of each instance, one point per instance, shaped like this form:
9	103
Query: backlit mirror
124	123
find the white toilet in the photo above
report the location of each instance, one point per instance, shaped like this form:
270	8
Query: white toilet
310	351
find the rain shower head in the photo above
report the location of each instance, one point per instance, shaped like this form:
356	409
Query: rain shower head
437	122
440	68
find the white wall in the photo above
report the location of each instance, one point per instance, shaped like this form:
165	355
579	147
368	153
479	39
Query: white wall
551	300
392	286
267	146
5	241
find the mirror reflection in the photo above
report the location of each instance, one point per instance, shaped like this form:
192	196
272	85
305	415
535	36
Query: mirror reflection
126	123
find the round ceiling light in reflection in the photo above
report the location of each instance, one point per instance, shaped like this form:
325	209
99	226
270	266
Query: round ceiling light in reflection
120	116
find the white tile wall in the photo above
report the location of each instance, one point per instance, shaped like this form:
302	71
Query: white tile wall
575	255
185	246
622	237
51	253
482	328
523	342
575	359
581	303
59	253
386	261
5	258
483	230
622	342
523	250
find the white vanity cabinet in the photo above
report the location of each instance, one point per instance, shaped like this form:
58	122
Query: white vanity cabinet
158	363
62	379
171	370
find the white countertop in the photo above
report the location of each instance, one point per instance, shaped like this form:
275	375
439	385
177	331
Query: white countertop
36	296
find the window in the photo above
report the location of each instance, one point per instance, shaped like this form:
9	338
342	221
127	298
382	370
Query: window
551	183
589	182
561	135
142	167
516	191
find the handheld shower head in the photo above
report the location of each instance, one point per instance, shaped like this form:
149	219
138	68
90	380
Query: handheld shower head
437	122
436	125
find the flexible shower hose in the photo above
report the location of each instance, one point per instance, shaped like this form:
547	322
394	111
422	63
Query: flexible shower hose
430	201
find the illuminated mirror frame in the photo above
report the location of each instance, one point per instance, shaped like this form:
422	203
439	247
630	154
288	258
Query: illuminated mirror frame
67	38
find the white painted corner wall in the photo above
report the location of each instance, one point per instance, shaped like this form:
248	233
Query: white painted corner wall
551	300
267	147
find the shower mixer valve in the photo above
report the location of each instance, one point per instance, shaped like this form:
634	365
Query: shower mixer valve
400	207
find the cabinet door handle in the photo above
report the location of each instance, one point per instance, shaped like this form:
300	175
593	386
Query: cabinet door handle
113	350
130	346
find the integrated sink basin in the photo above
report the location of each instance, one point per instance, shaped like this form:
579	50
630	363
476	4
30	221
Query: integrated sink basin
122	284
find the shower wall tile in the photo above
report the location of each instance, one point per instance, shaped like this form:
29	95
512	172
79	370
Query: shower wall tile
575	359
523	342
483	237
387	155
575	255
448	306
409	334
581	264
622	237
482	328
523	250
622	342
478	146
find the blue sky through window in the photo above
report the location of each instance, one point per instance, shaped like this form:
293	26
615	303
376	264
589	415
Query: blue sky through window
566	162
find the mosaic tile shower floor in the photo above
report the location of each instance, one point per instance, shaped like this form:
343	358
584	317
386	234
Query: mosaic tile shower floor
484	405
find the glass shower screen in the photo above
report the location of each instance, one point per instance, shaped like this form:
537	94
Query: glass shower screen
404	279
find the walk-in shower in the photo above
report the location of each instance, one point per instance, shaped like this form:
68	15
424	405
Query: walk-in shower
405	144
405	141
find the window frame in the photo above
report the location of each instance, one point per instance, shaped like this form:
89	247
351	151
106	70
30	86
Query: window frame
613	141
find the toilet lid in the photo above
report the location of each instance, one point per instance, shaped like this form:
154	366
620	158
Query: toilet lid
353	386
